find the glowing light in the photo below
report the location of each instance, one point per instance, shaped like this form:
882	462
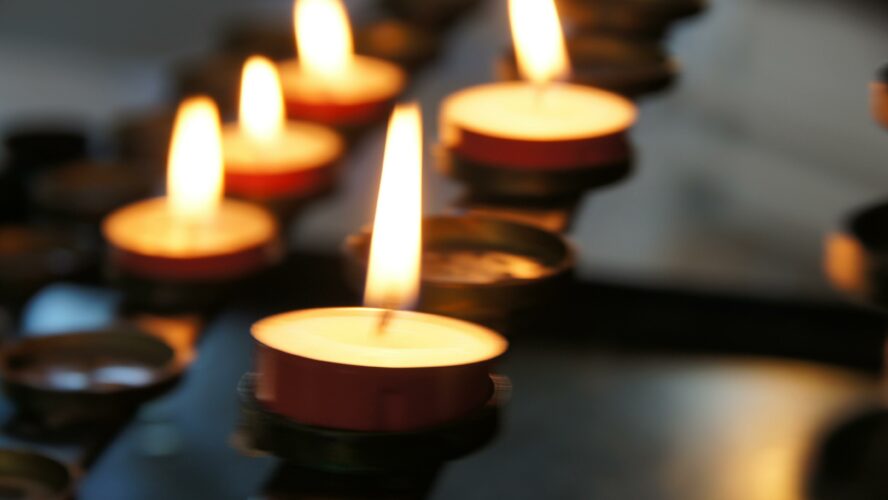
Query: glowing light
323	37
194	177
539	41
394	269
262	115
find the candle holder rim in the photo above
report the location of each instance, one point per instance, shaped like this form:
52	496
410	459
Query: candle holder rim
163	374
273	234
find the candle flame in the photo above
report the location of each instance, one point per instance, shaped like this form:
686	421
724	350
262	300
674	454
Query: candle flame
262	115
539	41
194	177
396	245
323	37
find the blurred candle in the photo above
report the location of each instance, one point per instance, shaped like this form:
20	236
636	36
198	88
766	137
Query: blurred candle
540	123
192	233
267	156
329	83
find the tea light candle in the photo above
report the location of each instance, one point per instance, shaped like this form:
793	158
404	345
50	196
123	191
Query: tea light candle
379	368
329	83
192	234
537	126
269	157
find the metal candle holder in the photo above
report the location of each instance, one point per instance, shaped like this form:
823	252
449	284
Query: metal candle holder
502	182
28	475
637	18
32	257
68	380
340	461
459	252
629	67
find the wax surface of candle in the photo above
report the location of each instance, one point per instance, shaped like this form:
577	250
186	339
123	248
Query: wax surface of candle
150	229
523	111
365	80
297	146
351	336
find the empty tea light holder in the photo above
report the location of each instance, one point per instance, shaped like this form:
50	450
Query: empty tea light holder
478	268
856	255
84	378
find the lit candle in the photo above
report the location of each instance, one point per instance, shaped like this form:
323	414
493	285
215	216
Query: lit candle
267	156
329	83
192	234
538	126
379	368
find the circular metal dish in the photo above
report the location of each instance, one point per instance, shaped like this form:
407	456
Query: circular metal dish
473	296
68	379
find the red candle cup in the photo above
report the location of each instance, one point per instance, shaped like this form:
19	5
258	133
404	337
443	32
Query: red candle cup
633	68
519	140
363	96
879	97
329	84
301	164
342	368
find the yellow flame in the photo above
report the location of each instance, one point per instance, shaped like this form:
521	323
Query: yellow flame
393	275
262	115
323	37
539	41
194	179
